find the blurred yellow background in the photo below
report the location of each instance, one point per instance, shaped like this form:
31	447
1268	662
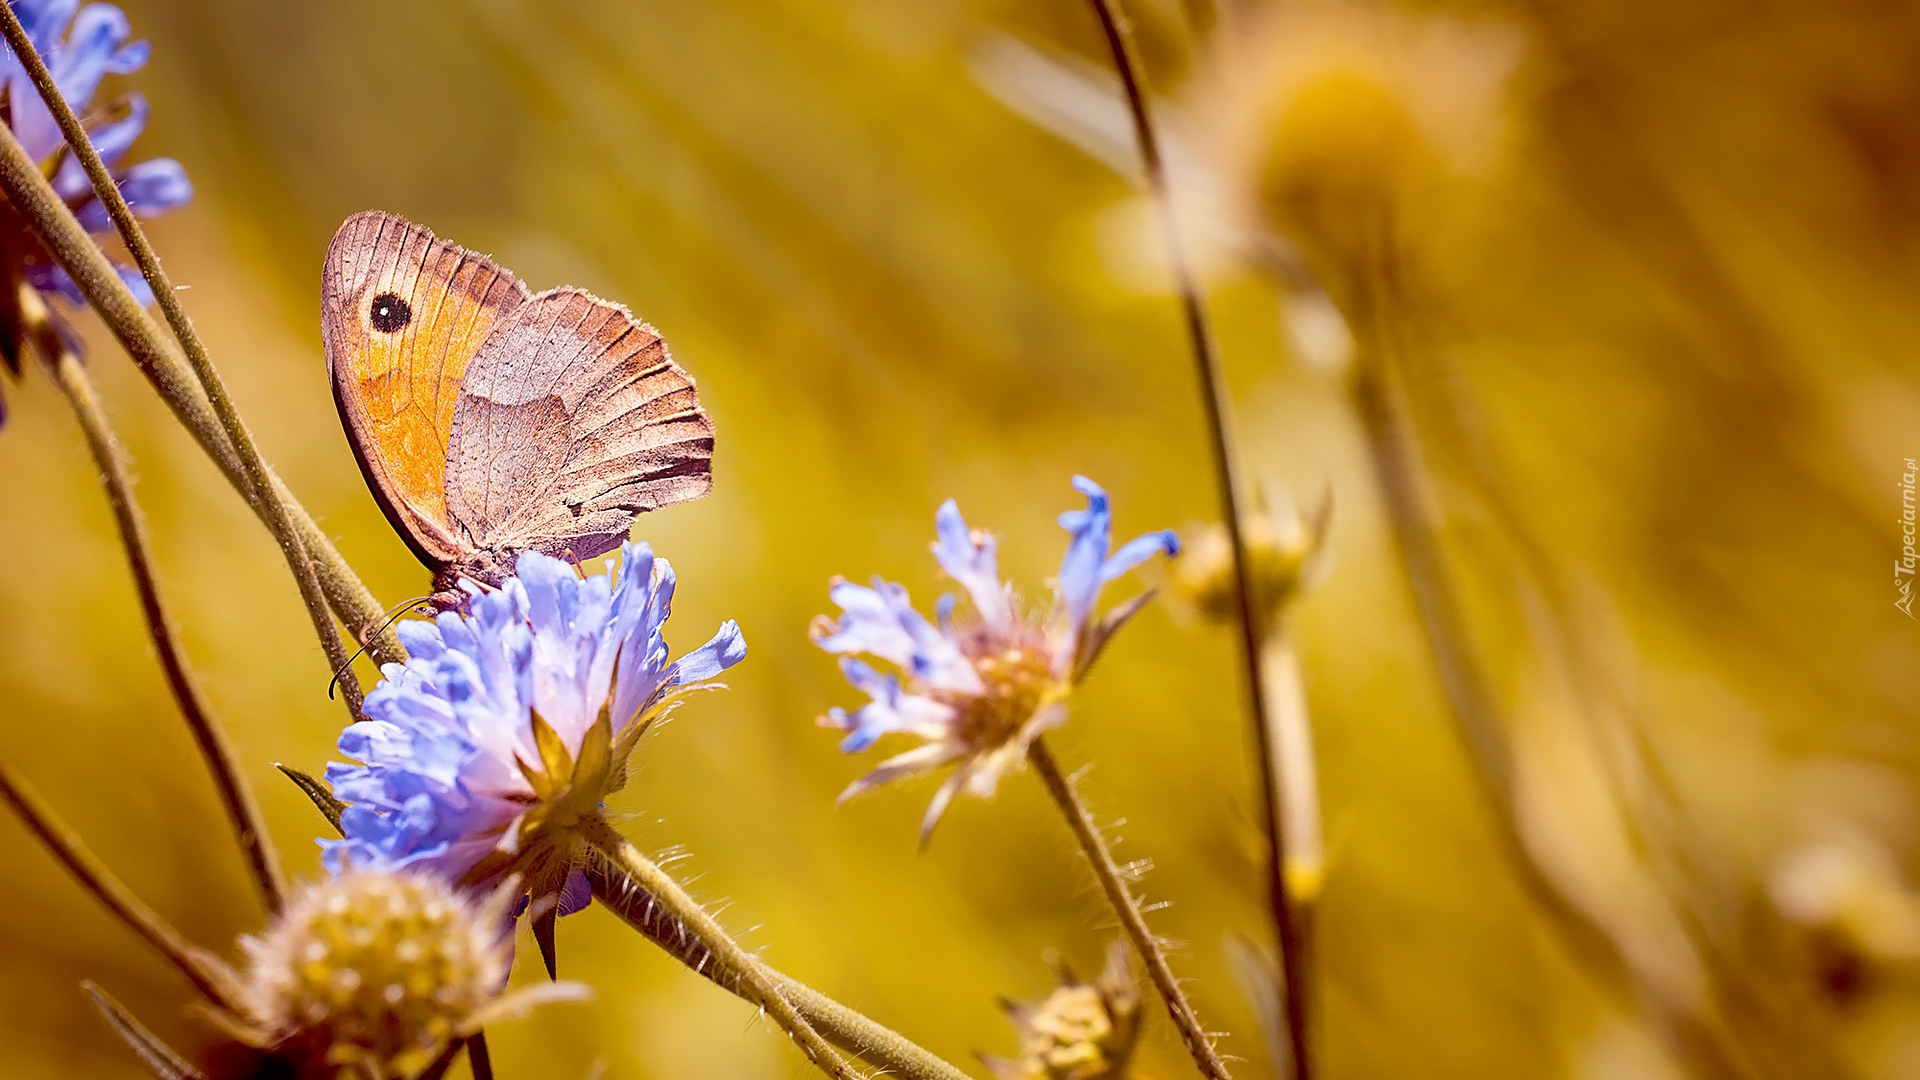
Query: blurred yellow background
1657	273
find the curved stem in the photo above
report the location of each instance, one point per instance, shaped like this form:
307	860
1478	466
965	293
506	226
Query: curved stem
1213	390
279	520
203	971
844	1027
243	813
27	189
755	986
1132	919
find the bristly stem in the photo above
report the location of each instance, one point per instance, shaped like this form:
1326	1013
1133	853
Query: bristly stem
1132	919
1293	961
54	225
202	970
846	1028
243	813
279	520
614	848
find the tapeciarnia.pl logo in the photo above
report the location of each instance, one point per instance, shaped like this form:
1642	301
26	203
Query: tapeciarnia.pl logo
1904	565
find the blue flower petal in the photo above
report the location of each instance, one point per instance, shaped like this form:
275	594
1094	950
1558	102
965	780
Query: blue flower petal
154	187
54	281
1139	550
727	648
969	560
1080	577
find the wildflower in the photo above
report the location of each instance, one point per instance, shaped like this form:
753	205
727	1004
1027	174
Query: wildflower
978	689
376	972
1082	1031
485	752
80	48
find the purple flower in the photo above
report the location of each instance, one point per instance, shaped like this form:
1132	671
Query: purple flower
977	689
511	723
81	46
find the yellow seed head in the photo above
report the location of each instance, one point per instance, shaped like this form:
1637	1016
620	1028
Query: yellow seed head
1082	1031
382	969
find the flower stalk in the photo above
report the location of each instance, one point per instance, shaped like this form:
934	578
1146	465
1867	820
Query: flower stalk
1293	945
845	1027
162	1060
27	188
202	970
262	492
1134	921
243	812
754	984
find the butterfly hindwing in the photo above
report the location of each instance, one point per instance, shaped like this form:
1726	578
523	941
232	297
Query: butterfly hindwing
403	314
571	420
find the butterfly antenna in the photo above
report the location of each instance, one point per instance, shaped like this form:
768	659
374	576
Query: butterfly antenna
392	616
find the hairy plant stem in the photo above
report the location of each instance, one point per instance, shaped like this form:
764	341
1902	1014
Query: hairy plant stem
1288	927
1132	919
260	489
844	1027
243	813
755	986
54	225
205	972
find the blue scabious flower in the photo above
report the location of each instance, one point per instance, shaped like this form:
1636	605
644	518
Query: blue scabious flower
977	689
81	46
509	725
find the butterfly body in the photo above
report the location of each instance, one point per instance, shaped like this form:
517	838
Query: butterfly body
490	420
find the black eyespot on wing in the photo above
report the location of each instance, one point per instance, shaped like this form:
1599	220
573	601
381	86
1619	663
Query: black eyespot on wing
389	313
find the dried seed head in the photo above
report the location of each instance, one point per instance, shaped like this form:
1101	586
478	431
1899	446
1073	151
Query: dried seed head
1285	553
379	969
1082	1031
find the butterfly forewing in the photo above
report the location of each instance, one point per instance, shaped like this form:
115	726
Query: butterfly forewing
572	419
403	313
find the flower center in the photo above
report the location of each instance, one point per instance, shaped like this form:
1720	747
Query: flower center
1017	672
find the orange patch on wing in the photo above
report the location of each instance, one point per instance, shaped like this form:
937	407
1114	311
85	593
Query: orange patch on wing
410	381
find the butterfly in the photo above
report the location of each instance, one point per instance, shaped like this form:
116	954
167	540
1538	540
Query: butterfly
490	420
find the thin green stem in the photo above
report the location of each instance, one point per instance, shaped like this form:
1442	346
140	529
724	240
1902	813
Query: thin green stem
205	973
755	986
844	1027
1213	390
54	225
278	518
1132	919
243	813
